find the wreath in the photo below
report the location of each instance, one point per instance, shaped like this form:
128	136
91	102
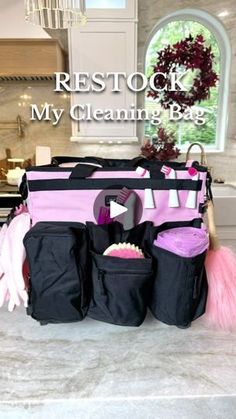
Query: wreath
162	148
187	54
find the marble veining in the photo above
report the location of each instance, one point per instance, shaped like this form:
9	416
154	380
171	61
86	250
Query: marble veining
124	369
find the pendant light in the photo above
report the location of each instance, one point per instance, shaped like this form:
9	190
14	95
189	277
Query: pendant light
55	14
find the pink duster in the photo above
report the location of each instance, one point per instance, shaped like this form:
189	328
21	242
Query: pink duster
221	274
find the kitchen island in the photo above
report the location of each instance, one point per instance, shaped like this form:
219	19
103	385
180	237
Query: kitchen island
95	370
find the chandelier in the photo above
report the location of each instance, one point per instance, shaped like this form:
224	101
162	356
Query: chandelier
55	14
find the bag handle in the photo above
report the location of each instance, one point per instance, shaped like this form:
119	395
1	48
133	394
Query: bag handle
57	160
137	161
81	171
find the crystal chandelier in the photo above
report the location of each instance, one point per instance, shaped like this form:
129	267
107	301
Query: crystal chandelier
55	14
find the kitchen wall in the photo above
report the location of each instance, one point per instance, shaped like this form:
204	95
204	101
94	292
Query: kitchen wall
12	22
43	133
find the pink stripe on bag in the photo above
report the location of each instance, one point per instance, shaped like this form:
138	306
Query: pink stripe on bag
35	175
77	205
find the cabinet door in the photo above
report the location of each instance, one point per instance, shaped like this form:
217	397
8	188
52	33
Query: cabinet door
104	47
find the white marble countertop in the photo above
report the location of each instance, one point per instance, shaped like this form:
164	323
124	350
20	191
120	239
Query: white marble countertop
101	371
232	183
226	183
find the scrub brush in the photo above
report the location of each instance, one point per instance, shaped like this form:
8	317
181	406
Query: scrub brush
125	251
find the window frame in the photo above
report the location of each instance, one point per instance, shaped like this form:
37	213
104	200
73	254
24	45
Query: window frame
218	30
89	7
128	12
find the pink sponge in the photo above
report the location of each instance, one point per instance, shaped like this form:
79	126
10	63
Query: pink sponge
124	250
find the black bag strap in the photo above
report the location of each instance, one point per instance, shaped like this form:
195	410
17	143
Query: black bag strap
81	171
57	160
138	161
113	163
121	163
79	182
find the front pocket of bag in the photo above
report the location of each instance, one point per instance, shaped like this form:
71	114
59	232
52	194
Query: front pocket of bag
120	289
176	286
56	253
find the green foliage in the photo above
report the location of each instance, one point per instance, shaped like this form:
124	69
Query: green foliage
186	132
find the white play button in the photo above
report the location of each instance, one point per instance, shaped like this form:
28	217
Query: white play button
116	209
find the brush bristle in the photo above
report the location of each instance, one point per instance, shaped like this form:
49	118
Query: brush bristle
123	195
124	250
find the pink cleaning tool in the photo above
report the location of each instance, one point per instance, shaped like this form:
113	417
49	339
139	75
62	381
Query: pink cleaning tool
125	251
221	275
192	195
173	194
104	216
148	194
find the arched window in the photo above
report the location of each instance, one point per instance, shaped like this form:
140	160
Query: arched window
170	30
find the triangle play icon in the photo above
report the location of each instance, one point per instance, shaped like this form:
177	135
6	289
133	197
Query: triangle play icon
116	209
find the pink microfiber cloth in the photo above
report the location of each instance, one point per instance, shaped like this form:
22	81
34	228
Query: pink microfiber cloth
183	241
21	209
124	250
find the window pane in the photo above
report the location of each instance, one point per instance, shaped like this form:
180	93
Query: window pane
106	4
185	132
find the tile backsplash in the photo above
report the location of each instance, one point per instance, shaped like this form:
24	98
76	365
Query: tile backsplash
15	98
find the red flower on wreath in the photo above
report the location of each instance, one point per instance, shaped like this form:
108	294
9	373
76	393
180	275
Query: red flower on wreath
163	148
191	54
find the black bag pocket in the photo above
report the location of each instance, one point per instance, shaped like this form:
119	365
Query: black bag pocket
102	236
57	257
120	289
179	288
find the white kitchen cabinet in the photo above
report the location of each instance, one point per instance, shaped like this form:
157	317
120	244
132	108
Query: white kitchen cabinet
107	44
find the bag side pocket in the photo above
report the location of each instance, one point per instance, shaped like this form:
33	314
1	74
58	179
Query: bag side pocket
57	256
177	287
